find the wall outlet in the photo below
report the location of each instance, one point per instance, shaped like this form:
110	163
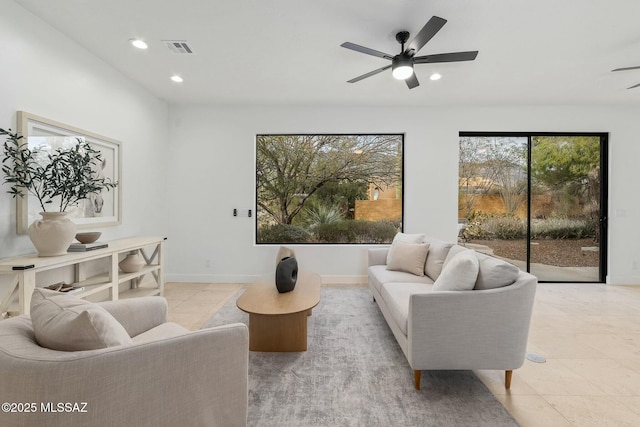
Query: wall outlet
207	263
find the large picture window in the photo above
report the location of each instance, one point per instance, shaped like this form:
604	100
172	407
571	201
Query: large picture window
328	188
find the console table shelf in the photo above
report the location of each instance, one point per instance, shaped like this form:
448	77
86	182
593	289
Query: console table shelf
25	269
142	291
93	285
124	277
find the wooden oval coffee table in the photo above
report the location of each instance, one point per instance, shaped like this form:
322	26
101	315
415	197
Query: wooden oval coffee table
278	322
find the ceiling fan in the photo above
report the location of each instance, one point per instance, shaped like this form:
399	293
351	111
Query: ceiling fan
402	63
629	68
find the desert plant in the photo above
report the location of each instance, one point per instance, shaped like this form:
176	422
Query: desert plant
320	213
65	176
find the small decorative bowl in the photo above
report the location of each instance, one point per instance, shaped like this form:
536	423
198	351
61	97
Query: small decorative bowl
88	237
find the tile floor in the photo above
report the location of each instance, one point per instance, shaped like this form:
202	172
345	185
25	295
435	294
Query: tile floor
589	334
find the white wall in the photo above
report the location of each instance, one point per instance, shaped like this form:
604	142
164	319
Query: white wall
45	73
212	172
210	152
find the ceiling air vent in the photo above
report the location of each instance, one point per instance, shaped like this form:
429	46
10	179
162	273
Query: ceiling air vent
178	46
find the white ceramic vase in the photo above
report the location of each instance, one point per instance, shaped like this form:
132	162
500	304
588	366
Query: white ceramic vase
132	263
52	234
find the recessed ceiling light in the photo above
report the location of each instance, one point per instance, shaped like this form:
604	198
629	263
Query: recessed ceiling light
435	76
140	44
176	78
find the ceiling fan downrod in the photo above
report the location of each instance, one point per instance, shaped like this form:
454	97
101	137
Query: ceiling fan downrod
402	38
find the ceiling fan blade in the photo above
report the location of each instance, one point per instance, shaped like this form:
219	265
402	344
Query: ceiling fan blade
412	81
627	68
366	50
426	33
446	57
634	86
369	74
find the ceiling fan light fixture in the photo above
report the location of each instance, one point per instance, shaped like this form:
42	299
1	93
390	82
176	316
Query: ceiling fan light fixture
402	67
402	63
403	72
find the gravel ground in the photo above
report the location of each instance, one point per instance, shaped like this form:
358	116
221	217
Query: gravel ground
561	253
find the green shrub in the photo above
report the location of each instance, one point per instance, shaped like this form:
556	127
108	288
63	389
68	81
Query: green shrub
483	226
282	233
474	229
562	228
508	228
356	231
383	231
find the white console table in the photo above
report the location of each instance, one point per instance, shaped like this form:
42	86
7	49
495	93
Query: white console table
25	268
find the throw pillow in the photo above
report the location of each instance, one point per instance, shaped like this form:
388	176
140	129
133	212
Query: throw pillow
455	250
404	237
69	323
409	257
438	251
495	273
460	274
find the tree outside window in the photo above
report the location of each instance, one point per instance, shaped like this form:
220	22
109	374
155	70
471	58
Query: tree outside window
318	188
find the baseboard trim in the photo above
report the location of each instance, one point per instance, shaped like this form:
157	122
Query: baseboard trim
249	278
623	280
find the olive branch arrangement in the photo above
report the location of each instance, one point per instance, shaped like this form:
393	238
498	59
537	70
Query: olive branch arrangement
66	175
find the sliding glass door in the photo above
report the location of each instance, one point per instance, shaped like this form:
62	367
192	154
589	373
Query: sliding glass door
536	200
493	194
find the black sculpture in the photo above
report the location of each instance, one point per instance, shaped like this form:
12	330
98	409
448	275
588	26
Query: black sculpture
286	274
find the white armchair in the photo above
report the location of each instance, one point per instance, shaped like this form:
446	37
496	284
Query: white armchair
168	376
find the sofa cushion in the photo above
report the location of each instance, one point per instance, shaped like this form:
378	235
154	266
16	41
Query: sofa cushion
379	275
460	274
438	251
408	257
69	323
396	296
495	273
404	237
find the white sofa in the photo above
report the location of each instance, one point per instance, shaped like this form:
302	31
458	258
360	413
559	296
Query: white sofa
485	327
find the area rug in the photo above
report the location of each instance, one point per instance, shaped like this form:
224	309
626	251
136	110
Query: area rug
355	374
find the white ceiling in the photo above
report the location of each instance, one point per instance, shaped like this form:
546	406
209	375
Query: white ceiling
542	52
